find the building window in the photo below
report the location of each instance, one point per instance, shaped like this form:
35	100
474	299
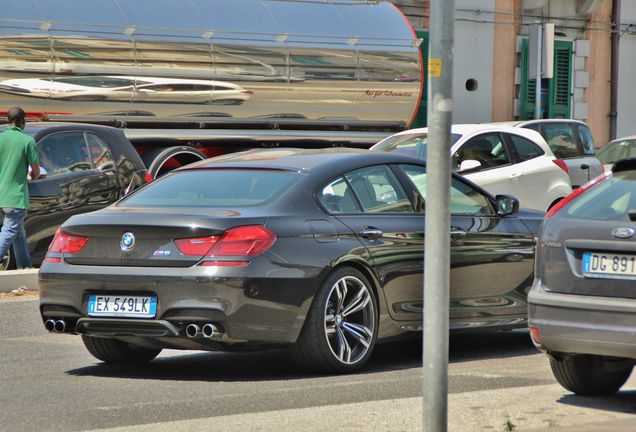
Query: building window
555	92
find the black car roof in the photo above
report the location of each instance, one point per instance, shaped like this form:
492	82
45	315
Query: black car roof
335	158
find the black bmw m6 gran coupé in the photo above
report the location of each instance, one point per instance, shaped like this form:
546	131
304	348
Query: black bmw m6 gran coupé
317	250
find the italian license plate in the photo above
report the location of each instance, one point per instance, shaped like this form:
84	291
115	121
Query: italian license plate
608	265
108	305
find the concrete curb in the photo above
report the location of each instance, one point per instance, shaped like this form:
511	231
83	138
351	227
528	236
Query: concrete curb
12	279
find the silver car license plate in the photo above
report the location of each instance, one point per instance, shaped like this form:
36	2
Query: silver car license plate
109	305
609	265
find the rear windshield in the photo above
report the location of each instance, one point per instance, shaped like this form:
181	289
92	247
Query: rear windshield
611	199
212	187
411	144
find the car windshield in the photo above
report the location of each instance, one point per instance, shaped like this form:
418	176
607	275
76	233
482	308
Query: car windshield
212	188
612	199
410	144
617	150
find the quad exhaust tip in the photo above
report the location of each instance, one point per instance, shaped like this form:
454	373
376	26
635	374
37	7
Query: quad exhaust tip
207	331
55	326
210	330
49	325
192	330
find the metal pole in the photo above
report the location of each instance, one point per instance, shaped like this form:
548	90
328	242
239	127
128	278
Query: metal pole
437	244
616	34
537	90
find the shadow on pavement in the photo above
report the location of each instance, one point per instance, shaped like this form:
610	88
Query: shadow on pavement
269	365
622	402
486	345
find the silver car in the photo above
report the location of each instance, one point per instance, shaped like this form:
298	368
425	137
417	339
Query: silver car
620	148
582	305
571	141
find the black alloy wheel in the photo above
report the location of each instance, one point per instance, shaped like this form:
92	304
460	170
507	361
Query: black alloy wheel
341	328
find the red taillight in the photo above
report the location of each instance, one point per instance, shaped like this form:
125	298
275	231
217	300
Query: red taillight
561	164
66	243
148	177
248	240
196	246
587	186
534	332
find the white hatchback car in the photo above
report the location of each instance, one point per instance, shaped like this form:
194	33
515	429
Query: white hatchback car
501	159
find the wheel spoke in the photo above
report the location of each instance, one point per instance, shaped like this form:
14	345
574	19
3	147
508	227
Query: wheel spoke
344	350
360	332
330	328
361	299
341	293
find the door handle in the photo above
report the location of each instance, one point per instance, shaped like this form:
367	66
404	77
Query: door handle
371	233
585	166
514	175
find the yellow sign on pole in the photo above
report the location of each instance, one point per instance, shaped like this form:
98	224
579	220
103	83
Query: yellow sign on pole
435	67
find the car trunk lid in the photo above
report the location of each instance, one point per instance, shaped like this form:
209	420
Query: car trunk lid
584	258
147	238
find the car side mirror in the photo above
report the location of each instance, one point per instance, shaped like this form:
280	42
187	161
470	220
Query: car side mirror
507	205
469	165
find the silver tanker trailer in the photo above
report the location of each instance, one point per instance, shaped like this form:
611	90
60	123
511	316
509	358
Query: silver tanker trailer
189	79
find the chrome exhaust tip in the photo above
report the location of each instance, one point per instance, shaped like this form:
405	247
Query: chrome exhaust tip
49	325
210	330
60	326
192	330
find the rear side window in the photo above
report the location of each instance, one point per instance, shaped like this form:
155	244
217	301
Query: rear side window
337	197
524	148
378	190
560	138
587	142
612	199
212	187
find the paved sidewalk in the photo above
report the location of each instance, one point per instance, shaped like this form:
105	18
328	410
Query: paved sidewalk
13	279
545	408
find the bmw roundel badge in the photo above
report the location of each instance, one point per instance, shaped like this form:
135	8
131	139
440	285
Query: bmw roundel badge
623	232
127	242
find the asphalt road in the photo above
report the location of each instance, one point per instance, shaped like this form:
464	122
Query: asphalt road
49	382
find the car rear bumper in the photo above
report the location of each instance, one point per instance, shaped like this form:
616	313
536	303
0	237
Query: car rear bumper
582	324
243	306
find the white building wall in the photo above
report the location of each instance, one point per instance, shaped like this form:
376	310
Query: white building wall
473	60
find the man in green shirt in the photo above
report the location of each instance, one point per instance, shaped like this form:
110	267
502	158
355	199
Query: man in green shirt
17	152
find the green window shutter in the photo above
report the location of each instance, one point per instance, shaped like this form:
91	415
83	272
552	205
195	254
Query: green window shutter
527	95
559	106
420	119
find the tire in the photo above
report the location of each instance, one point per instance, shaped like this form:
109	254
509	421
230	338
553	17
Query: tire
339	335
116	351
591	375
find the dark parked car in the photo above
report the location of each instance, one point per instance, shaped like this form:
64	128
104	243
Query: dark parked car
582	306
319	250
87	167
